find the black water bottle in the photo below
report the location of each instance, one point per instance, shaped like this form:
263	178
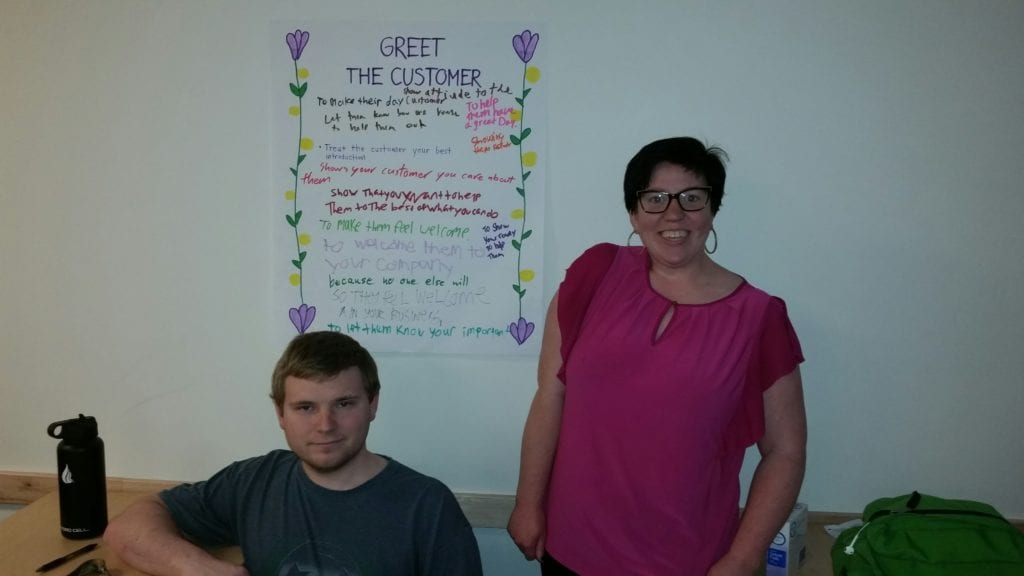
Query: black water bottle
81	476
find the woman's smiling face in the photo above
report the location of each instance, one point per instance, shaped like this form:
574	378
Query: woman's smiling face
673	238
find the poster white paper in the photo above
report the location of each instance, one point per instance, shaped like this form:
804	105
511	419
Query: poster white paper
409	184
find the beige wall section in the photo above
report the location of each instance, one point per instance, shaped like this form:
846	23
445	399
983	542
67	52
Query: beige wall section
23	488
19	488
483	511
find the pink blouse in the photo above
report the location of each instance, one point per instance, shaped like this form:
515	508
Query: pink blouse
654	429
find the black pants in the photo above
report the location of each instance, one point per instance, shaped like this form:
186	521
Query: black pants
551	567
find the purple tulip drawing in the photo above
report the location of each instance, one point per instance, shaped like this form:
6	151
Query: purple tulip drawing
525	44
297	42
521	330
302	317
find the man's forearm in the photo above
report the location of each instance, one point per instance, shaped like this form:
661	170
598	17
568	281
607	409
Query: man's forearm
146	537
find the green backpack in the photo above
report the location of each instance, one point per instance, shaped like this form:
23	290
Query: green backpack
919	535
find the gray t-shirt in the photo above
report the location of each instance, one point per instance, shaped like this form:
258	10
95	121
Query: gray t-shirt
400	522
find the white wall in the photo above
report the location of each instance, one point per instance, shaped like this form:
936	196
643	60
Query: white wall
875	184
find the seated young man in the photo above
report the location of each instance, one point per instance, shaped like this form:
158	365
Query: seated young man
326	507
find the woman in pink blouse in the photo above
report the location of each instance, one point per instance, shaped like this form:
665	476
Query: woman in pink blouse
658	369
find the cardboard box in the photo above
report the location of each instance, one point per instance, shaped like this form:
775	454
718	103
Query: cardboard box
789	548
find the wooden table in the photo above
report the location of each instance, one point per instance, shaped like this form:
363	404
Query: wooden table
32	537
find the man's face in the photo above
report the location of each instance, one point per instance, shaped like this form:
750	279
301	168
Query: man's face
325	423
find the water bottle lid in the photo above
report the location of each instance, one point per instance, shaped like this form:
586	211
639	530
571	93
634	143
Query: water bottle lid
76	430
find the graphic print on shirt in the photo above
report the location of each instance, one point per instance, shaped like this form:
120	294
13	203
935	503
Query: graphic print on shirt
318	559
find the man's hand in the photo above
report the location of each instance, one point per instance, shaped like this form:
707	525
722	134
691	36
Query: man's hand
225	569
145	537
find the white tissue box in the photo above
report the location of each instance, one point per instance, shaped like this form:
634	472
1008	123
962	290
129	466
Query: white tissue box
789	548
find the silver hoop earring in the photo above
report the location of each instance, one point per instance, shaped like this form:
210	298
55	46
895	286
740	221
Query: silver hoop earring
629	238
713	248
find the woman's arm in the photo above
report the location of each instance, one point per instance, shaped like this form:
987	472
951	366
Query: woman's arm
145	536
527	525
776	483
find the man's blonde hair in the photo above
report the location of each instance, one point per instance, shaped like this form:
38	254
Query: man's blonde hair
321	355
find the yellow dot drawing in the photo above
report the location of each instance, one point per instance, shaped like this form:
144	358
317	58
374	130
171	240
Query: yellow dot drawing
517	214
305	239
306	144
294	110
303	73
289	194
516	114
526	275
529	159
295	279
532	74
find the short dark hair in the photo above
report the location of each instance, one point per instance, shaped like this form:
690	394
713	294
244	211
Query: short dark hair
707	162
321	355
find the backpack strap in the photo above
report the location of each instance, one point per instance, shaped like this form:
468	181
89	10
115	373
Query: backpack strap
582	279
913	506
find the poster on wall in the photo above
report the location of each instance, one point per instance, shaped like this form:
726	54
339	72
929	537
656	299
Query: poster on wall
408	163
